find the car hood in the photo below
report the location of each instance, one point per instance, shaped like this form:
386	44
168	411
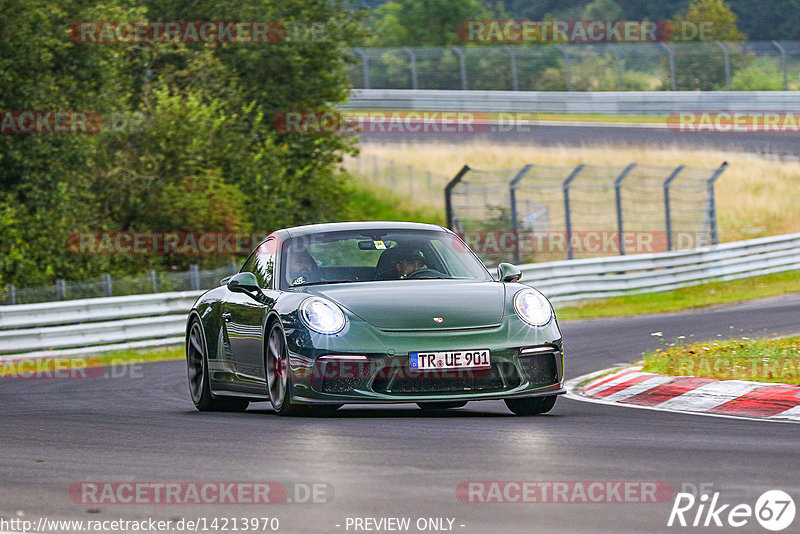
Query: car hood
413	304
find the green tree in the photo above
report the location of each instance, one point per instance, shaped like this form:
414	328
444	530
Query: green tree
603	10
423	22
700	63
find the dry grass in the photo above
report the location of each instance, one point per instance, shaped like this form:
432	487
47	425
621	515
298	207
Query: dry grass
755	197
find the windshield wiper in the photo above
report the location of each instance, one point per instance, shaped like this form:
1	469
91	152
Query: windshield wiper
324	282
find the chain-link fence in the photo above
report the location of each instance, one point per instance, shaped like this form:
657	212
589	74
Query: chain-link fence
688	66
544	213
108	286
423	187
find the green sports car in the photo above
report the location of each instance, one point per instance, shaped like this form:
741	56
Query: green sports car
372	312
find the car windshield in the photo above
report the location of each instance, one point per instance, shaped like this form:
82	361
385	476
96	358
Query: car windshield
375	255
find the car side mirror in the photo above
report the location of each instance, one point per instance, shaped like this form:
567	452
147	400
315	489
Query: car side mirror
244	283
508	273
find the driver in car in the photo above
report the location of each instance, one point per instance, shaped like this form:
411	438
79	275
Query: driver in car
302	267
408	262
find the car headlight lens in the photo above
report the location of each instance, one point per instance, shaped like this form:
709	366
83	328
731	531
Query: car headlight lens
533	307
322	315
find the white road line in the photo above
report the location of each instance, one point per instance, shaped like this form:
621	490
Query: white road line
792	414
710	395
638	388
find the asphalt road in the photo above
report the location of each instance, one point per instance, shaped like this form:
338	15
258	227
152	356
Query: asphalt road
398	461
588	135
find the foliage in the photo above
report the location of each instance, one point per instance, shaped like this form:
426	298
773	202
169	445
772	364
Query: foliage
763	74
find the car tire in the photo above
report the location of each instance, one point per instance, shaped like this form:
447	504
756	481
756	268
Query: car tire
278	373
197	369
443	405
531	405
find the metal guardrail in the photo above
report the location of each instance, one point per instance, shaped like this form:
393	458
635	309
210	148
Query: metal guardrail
57	328
610	103
585	279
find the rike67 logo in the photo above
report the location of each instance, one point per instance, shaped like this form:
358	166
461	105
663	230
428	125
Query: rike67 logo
774	510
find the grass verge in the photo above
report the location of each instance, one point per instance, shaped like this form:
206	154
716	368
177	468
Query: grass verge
76	366
759	360
687	298
367	203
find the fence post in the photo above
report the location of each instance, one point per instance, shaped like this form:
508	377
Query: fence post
512	195
410	176
392	175
621	69
727	56
412	62
513	60
233	267
712	204
673	81
462	66
105	278
667	210
618	198
154	281
11	291
364	66
61	287
568	219
567	72
194	277
448	195
782	50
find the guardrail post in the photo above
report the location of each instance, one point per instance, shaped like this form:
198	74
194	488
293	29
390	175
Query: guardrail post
61	286
568	219
154	281
364	66
712	204
667	209
11	293
448	195
512	195
782	50
412	62
106	281
513	60
727	56
462	66
194	277
673	76
567	72
618	198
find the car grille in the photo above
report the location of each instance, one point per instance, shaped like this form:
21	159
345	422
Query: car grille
501	376
540	369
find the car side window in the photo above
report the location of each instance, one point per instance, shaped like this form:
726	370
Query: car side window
264	262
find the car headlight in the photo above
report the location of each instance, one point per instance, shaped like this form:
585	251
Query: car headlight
533	307
322	315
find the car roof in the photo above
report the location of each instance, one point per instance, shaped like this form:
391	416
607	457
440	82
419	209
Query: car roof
361	225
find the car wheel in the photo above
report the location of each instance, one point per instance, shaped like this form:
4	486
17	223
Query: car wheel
445	405
197	367
531	406
279	379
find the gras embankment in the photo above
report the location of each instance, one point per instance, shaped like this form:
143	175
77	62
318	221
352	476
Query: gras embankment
687	298
759	360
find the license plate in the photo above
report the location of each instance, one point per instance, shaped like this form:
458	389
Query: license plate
454	359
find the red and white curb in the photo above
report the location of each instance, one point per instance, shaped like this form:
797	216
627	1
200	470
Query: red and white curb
629	386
